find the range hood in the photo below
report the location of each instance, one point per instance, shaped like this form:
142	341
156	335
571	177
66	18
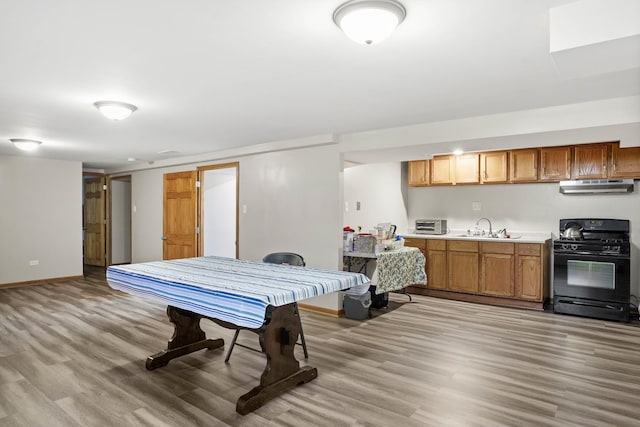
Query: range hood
597	186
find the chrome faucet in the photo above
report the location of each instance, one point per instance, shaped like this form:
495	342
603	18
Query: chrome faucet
486	219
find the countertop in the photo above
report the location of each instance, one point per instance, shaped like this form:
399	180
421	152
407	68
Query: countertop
516	236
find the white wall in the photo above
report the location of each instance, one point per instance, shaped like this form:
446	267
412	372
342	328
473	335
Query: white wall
292	201
120	222
525	207
40	219
379	189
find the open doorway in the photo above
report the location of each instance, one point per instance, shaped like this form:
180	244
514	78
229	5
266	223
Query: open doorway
219	210
119	241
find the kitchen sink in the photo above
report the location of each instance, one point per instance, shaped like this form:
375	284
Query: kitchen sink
471	236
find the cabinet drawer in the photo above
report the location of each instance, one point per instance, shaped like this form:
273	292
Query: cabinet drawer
415	243
533	249
437	245
497	248
462	246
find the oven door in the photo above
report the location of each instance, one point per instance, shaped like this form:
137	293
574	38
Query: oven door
595	277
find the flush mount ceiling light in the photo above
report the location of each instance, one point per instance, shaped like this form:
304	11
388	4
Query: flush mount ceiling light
115	110
25	144
369	21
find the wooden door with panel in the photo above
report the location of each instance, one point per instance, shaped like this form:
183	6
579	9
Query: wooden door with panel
94	221
590	161
179	215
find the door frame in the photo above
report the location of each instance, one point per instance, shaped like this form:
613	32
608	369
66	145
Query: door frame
109	206
201	170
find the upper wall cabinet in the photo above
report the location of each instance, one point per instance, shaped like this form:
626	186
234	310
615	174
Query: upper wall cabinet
625	162
545	164
590	161
467	168
523	165
555	164
419	173
494	167
442	170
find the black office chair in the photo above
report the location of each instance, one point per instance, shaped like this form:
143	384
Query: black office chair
287	258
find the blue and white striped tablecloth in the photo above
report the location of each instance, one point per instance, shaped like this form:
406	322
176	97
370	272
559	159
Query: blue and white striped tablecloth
227	289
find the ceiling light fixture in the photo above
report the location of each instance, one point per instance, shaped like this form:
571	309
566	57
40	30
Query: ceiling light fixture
115	110
25	144
369	21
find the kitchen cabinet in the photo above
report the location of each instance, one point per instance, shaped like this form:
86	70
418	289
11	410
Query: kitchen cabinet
531	272
442	170
499	272
462	261
523	165
494	167
497	269
555	164
467	168
590	161
418	173
625	162
436	264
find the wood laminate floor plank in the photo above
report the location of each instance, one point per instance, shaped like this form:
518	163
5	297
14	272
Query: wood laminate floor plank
72	354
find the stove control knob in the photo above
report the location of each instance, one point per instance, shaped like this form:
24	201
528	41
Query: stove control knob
574	247
565	246
606	248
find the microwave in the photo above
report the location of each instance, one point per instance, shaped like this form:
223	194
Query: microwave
431	226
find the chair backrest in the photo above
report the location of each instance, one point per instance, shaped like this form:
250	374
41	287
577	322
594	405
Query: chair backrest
288	258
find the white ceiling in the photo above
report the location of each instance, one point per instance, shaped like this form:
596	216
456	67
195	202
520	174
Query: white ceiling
210	75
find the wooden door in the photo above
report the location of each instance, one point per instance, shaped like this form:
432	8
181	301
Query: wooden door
179	215
437	269
418	173
467	169
625	162
497	275
524	165
442	170
462	265
493	167
590	161
94	221
529	278
555	164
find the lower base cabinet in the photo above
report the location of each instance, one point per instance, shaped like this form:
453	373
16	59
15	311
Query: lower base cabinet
531	271
497	269
462	260
500	273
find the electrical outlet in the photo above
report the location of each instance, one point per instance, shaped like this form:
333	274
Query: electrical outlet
476	206
34	262
357	206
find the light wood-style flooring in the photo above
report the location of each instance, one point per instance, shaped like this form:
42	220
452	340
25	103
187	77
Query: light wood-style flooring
72	354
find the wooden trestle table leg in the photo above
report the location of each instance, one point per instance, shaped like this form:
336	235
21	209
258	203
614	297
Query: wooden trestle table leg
278	336
187	338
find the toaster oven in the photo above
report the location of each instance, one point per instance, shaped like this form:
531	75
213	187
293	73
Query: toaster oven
431	226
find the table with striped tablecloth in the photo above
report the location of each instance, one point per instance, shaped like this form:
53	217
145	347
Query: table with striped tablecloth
235	294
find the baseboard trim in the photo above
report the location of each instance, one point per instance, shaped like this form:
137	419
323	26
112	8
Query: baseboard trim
483	299
321	310
39	282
